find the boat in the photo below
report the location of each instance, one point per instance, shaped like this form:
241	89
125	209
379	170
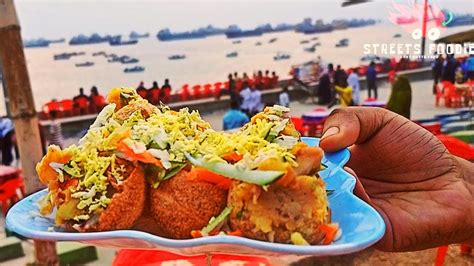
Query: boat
311	49
177	57
134	69
93	39
67	56
85	64
238	33
236	42
166	35
272	40
39	43
136	35
258	44
304	42
281	56
314	38
233	54
317	44
343	43
101	53
117	41
62	40
398	35
319	29
129	61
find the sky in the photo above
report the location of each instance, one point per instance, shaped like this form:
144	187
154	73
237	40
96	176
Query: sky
65	18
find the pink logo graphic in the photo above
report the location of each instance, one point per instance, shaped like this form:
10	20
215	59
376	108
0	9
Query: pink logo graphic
410	18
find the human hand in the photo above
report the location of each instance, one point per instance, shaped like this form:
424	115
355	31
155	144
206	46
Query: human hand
425	194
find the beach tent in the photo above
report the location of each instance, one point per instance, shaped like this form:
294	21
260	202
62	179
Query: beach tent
460	37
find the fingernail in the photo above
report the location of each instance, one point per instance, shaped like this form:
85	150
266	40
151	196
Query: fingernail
331	131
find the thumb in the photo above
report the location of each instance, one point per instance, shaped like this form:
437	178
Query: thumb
352	125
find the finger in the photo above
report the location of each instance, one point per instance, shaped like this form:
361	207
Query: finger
352	125
359	188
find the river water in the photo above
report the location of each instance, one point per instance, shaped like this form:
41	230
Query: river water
206	59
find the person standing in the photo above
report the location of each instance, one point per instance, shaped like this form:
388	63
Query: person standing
284	97
153	94
255	101
234	118
340	77
449	69
353	81
141	90
81	102
400	97
6	140
234	95
245	100
372	80
437	70
165	94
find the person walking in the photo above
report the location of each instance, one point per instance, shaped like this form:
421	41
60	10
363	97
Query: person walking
372	80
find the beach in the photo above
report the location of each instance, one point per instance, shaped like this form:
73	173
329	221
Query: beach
205	61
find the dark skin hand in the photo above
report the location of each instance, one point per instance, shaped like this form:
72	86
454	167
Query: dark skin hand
425	194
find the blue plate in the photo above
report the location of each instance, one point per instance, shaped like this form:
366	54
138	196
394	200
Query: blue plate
361	225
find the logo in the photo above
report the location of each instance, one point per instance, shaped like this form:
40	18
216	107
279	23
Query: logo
410	18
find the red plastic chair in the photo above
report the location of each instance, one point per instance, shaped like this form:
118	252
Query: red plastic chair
81	106
10	192
196	91
298	122
184	93
439	94
452	97
207	90
217	90
66	107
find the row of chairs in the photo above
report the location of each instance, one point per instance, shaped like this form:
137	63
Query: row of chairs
452	97
69	107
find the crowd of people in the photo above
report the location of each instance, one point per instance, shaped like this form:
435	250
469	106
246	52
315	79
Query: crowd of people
452	70
246	97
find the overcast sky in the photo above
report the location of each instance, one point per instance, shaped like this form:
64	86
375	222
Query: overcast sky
65	18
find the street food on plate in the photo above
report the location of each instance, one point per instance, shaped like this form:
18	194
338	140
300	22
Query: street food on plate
169	173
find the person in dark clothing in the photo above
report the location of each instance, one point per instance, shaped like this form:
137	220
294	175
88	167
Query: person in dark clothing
234	95
165	94
372	79
324	89
81	102
141	90
332	88
153	94
6	140
437	70
340	77
449	69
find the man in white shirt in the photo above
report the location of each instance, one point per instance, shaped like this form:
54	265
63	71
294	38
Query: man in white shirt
284	98
353	81
255	102
245	97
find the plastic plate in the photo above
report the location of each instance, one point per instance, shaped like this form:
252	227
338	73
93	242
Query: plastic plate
361	225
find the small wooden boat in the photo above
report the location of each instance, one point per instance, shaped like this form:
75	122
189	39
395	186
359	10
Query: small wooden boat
134	69
85	64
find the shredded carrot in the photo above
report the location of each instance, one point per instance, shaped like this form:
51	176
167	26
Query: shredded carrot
235	233
196	233
201	174
143	157
232	157
331	231
286	180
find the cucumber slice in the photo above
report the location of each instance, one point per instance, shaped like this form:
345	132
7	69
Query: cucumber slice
258	177
215	221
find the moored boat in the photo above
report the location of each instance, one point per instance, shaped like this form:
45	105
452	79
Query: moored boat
233	54
281	56
177	57
134	69
85	64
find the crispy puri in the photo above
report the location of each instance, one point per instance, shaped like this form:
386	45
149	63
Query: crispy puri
180	205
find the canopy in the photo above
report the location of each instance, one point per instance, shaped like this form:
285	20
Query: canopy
460	37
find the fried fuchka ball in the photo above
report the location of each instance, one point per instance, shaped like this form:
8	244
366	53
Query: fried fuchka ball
180	205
